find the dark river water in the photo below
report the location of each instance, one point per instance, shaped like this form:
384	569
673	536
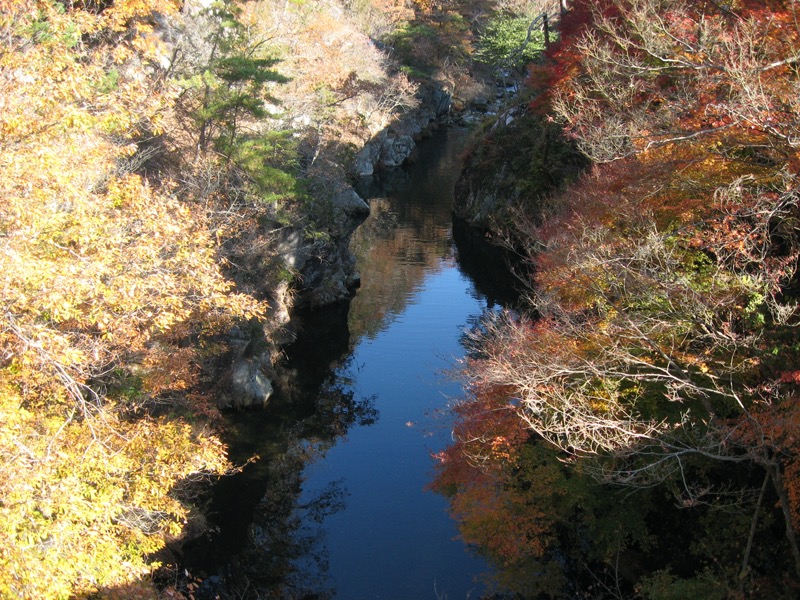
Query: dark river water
337	503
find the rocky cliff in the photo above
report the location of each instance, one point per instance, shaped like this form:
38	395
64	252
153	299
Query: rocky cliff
514	161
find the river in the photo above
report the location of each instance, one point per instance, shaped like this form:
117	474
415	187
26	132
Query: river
337	503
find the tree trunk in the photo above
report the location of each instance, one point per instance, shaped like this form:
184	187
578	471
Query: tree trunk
546	27
753	527
774	470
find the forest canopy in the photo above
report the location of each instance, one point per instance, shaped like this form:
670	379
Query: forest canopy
105	272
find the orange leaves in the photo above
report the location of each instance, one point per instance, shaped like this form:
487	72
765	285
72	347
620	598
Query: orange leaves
501	486
503	523
121	13
664	281
678	75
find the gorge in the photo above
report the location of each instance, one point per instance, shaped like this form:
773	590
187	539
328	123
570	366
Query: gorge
337	501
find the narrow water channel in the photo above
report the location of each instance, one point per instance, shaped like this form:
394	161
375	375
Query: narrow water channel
337	505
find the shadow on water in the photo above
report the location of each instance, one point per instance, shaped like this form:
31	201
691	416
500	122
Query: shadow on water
265	542
267	536
494	271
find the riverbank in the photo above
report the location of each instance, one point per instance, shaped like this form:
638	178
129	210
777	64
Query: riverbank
345	453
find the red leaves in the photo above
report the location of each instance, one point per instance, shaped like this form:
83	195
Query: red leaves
661	75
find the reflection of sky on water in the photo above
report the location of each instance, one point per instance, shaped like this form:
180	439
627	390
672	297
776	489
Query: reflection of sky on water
336	503
394	539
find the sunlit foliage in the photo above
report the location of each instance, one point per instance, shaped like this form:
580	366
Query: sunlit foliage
510	42
436	40
104	274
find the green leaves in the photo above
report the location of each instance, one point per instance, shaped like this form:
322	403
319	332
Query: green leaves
237	69
226	99
510	42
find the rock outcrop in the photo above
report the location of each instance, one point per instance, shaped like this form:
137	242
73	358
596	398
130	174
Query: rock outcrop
394	145
516	162
250	385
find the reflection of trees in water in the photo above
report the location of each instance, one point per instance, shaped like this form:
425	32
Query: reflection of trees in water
497	273
268	542
397	255
553	530
407	233
285	556
337	411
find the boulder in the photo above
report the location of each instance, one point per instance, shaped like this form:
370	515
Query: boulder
480	104
291	248
395	150
367	158
352	207
249	385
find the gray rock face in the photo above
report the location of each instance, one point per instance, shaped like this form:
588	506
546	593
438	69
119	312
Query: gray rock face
393	146
249	386
395	150
329	275
385	151
525	159
366	159
328	269
439	101
480	104
352	207
292	248
478	200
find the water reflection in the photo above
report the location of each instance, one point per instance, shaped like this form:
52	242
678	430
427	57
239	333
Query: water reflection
285	556
336	504
265	541
498	274
407	234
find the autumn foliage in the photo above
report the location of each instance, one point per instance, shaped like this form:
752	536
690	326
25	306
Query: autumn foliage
105	273
661	345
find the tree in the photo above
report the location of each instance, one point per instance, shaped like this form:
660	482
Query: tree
511	42
664	330
106	275
648	73
226	76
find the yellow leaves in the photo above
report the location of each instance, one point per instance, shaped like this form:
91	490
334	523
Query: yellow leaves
128	261
502	448
75	492
124	191
59	85
609	316
99	266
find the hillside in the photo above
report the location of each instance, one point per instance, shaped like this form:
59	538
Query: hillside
639	422
175	177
